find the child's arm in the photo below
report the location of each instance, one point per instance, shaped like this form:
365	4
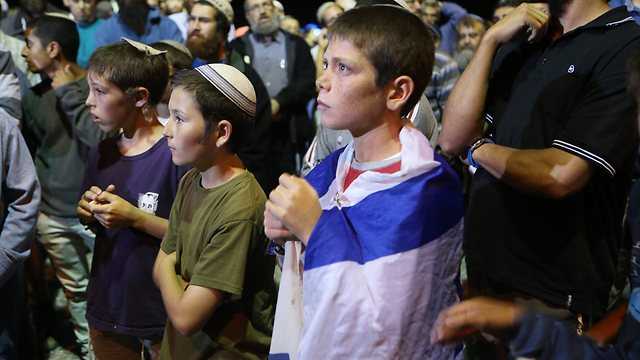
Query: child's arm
294	203
188	309
112	211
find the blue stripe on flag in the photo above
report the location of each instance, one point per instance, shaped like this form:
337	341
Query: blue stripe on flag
405	217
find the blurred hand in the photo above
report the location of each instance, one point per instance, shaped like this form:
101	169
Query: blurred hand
475	315
532	19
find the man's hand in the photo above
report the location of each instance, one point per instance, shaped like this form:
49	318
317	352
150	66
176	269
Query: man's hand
112	211
294	203
475	315
532	19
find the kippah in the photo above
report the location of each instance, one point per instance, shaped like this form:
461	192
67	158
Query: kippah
148	50
178	46
224	6
233	84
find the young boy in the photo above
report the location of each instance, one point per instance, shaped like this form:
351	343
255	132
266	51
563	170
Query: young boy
130	185
215	241
381	218
59	129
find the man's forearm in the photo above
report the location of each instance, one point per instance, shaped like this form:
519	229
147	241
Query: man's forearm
462	120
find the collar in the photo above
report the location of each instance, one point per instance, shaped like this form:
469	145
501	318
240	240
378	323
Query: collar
611	18
277	37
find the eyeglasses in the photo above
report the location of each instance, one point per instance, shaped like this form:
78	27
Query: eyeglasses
267	5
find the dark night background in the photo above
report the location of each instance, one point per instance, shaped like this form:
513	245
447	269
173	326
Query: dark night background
305	10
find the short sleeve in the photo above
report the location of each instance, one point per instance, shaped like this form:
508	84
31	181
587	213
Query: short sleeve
602	129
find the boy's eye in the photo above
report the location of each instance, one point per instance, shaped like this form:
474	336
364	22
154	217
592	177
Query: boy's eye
342	67
325	66
179	119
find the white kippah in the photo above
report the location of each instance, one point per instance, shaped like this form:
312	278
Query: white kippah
233	84
224	6
148	50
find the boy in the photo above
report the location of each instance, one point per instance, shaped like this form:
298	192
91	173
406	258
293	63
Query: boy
215	241
59	129
383	238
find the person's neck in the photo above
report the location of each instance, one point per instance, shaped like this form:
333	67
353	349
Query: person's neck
579	13
140	134
636	3
64	65
379	143
218	56
223	167
267	39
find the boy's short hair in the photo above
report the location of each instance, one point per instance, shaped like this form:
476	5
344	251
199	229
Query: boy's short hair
59	29
395	41
215	106
127	68
177	54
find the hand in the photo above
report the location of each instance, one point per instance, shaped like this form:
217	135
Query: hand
532	19
275	230
475	315
63	76
112	211
295	204
275	106
90	196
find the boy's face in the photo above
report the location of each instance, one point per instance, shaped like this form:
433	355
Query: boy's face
110	106
349	98
84	11
35	53
186	132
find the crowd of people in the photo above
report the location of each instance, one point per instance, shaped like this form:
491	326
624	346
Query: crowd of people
400	180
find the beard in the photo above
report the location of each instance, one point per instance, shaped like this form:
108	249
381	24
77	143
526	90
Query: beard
205	48
265	28
557	7
134	15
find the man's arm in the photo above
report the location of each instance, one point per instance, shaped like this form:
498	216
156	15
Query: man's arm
462	119
188	309
72	96
550	173
9	85
21	195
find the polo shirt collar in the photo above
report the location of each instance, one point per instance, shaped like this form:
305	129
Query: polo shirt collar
613	17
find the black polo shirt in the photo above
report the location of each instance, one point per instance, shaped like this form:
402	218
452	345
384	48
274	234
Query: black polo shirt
571	95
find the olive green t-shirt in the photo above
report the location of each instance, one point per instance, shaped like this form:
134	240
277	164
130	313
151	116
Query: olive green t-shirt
218	237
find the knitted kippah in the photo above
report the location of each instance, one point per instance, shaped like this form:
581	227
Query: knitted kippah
178	46
224	6
233	84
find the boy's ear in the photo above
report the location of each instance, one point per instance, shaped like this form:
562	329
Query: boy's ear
141	96
399	93
225	129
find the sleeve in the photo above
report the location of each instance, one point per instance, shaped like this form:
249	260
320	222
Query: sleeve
103	36
448	78
632	230
22	197
451	13
543	337
303	85
223	262
173	31
9	85
603	128
72	98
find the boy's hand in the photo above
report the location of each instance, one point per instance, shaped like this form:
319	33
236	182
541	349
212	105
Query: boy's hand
275	230
90	197
112	211
295	204
532	19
